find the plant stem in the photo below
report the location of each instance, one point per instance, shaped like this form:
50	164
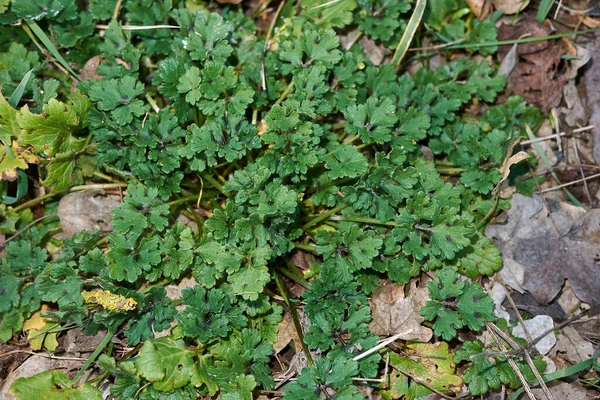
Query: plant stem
362	220
109	334
324	216
213	182
37	200
307	247
183	200
286	93
450	171
295	318
98	186
329	184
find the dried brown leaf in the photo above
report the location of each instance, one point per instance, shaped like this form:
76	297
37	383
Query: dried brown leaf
529	239
510	6
393	312
287	333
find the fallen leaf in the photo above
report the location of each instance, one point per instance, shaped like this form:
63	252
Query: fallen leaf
507	163
77	342
567	390
540	73
529	238
394	313
510	6
509	62
374	52
536	327
481	8
37	329
573	346
34	365
427	362
287	333
88	210
591	81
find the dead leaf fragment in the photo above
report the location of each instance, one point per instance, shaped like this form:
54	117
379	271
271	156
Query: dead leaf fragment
40	331
510	6
573	346
529	239
481	8
540	73
88	210
394	313
286	334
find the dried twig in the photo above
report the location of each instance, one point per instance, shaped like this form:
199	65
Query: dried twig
384	343
587	178
263	78
511	362
585	185
33	353
527	357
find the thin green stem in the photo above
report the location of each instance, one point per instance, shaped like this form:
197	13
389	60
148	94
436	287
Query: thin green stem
295	317
324	216
98	186
450	171
109	334
445	163
307	247
329	184
361	220
295	277
38	200
213	182
286	93
183	200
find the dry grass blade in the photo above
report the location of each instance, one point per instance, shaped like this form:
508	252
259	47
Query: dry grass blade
263	78
511	362
409	33
493	328
50	46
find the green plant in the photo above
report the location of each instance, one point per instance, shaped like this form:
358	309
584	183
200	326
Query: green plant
295	143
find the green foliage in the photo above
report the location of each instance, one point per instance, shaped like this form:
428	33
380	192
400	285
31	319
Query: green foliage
455	304
54	385
484	373
237	153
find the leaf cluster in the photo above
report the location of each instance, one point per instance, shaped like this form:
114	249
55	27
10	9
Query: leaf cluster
264	147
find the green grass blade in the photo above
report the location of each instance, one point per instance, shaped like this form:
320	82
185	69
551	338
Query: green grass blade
562	373
409	33
49	45
18	93
543	11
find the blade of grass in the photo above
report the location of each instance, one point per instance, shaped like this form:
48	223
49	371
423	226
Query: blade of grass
50	46
542	155
562	373
543	11
18	93
409	33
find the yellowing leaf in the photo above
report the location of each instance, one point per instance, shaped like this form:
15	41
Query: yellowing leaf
431	363
46	132
38	331
13	158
